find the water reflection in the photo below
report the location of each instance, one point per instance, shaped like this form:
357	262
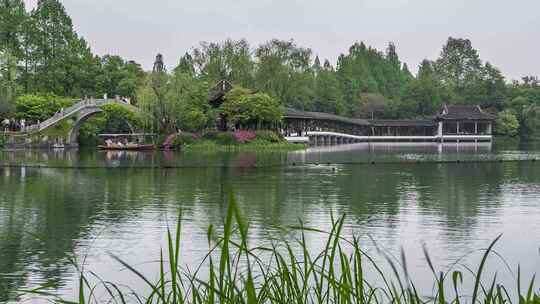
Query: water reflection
49	216
345	154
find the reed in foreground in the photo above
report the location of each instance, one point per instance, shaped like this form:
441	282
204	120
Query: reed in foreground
234	272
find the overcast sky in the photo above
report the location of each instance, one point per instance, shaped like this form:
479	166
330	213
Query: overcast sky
505	32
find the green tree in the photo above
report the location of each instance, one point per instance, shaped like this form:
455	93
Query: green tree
507	123
284	71
406	72
34	107
173	100
249	109
62	63
189	97
470	81
8	85
119	77
366	70
458	64
12	19
328	97
229	60
317	65
424	95
530	121
373	106
186	65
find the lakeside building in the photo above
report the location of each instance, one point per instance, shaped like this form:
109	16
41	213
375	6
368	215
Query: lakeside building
453	123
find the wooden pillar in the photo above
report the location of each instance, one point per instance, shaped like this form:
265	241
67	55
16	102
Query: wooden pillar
475	127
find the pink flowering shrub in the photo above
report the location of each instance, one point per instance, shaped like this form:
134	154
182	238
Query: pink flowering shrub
243	136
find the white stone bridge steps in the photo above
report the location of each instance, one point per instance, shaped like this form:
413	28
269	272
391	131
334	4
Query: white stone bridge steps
81	106
80	111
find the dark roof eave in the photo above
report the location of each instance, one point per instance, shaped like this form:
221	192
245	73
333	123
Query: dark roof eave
466	118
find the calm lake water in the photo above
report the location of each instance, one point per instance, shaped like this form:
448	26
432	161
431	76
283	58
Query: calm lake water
121	203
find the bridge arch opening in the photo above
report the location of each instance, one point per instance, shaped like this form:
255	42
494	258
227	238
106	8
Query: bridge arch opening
100	123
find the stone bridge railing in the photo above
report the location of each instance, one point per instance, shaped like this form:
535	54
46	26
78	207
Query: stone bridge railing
74	109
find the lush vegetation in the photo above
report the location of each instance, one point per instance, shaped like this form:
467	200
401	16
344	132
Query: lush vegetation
39	107
238	140
235	272
40	53
247	109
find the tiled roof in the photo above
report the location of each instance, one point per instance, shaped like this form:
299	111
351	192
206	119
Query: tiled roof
219	90
292	113
456	112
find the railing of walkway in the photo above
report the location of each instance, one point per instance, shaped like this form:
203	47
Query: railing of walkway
85	103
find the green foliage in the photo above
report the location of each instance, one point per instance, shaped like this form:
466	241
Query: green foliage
174	100
12	19
51	57
40	52
210	135
34	107
424	94
245	108
284	72
373	106
8	85
57	60
530	120
193	120
366	70
470	81
268	136
182	139
225	138
328	96
121	112
229	60
119	77
458	64
507	123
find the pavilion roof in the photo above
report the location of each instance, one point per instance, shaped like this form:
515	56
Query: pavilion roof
461	112
219	90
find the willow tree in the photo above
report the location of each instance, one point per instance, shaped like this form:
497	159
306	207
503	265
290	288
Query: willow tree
177	100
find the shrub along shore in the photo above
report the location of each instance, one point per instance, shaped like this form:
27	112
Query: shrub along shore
233	141
288	272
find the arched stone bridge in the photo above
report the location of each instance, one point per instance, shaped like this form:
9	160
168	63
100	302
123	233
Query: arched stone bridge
78	113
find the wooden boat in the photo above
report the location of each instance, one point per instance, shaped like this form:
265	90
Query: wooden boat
134	147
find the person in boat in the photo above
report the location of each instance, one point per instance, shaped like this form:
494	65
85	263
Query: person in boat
5	124
109	143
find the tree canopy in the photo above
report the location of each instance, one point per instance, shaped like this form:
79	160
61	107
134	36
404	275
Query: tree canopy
41	53
245	108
